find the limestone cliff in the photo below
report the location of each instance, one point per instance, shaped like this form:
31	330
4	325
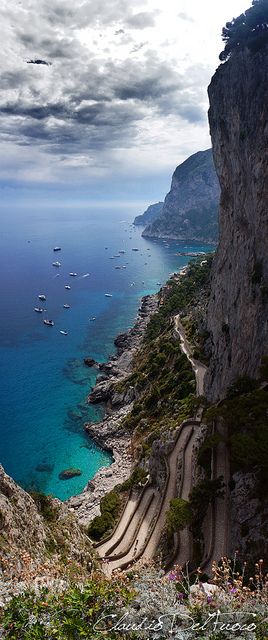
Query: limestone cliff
38	535
190	210
151	213
238	308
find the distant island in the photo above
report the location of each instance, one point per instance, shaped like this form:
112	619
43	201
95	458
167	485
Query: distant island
190	209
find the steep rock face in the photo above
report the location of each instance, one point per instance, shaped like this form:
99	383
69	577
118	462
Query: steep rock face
238	308
30	536
190	209
151	213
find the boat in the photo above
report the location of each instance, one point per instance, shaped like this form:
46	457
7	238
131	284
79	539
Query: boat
67	286
42	296
72	274
56	264
118	267
64	333
122	251
38	309
108	295
135	249
159	284
92	319
49	323
66	306
57	249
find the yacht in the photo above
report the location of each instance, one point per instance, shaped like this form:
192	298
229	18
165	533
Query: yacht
57	249
38	309
56	264
49	323
108	295
64	333
67	286
42	296
66	306
72	274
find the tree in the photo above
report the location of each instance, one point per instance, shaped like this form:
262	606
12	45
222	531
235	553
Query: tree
250	29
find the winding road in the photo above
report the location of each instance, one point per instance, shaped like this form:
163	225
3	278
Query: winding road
139	530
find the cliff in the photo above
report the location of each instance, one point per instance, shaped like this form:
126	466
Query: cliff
190	210
238	307
151	213
39	537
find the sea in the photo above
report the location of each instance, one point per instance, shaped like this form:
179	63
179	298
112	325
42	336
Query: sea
44	382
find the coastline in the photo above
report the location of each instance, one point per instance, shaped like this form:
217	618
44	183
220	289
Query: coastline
108	433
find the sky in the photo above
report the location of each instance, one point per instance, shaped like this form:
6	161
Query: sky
119	100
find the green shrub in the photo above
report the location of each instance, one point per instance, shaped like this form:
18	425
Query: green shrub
100	526
179	515
45	506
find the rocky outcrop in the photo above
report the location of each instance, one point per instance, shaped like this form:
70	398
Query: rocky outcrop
153	212
190	210
238	307
119	366
110	433
36	534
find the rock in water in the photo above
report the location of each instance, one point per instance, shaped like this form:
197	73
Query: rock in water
69	473
90	362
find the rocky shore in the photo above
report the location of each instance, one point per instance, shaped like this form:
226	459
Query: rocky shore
109	433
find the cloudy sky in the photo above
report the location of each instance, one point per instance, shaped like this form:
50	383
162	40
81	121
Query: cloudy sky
121	100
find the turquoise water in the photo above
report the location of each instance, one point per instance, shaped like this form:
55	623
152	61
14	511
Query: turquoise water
44	383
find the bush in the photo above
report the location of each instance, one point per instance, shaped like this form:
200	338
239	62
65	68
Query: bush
110	508
179	515
45	506
100	526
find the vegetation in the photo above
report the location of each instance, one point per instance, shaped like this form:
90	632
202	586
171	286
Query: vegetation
137	478
250	29
181	295
66	615
110	506
179	515
245	412
45	506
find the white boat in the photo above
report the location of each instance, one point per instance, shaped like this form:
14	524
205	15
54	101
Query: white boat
64	333
159	283
72	274
92	319
67	286
57	249
66	306
38	309
108	295
49	323
56	264
42	296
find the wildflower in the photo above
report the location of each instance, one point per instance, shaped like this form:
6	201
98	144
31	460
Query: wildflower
172	575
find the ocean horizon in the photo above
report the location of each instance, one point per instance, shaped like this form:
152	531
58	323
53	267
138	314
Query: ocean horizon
44	382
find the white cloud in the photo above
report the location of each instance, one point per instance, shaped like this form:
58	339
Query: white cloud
126	90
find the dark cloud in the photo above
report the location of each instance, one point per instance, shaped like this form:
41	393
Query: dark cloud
38	61
90	100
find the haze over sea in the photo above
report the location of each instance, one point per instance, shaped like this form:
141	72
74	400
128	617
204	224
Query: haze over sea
44	383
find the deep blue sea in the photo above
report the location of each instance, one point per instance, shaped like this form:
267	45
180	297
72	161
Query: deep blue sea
44	383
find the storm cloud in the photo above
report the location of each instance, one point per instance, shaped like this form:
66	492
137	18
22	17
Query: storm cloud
85	79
